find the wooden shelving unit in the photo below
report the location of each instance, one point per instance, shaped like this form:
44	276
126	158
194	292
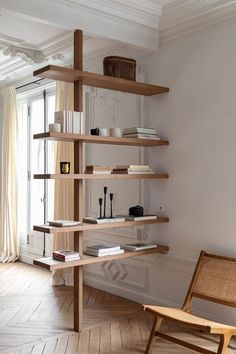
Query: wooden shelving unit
95	139
102	176
106	82
80	78
89	227
52	264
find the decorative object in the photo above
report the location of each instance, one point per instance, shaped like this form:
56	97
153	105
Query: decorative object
111	200
65	167
136	210
100	208
124	68
103	132
55	127
117	132
94	131
105	197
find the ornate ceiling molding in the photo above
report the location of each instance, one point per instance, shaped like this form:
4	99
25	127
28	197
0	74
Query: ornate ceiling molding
183	16
133	22
30	56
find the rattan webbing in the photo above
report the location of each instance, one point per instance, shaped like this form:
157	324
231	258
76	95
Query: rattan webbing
217	279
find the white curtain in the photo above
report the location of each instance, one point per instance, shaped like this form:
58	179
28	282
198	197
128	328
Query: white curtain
9	233
64	189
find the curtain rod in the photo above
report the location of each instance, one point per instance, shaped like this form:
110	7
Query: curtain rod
29	83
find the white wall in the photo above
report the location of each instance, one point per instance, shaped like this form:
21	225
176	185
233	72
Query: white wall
198	116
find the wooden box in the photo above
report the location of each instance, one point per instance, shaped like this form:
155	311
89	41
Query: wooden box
124	68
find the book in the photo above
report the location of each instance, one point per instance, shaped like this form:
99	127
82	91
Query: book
142	136
63	223
139	130
103	221
97	172
140	218
97	168
115	171
133	167
71	121
108	253
65	255
102	248
138	246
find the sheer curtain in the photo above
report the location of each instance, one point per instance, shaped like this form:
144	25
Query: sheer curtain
64	189
9	233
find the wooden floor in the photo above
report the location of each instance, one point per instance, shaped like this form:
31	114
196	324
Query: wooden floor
37	318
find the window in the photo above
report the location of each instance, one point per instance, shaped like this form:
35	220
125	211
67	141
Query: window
36	197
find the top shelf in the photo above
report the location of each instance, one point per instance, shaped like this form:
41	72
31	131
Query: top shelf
59	73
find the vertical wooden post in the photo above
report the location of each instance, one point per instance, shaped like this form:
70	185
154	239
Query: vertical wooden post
78	186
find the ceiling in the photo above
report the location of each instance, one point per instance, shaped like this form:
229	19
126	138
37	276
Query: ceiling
35	32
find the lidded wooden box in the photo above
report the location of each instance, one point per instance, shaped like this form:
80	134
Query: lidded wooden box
124	68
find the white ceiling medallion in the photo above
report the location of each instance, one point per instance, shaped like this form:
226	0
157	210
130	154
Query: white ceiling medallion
30	56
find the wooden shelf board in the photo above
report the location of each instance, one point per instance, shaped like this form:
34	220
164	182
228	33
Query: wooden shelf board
52	264
106	82
96	139
87	226
102	176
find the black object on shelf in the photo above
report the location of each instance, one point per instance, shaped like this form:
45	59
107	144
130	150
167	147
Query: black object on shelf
100	207
136	210
111	200
105	197
94	131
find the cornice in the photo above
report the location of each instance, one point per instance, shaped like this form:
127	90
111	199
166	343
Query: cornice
181	17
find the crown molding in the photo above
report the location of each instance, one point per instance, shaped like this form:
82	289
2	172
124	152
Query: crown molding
133	22
184	16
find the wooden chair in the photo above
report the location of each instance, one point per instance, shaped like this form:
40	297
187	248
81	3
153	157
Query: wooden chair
214	279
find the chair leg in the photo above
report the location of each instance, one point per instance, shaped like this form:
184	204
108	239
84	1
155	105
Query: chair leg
224	342
155	327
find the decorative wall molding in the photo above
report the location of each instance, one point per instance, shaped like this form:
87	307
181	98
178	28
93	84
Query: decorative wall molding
183	16
30	56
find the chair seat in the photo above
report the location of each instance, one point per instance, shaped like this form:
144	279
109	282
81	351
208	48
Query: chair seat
188	319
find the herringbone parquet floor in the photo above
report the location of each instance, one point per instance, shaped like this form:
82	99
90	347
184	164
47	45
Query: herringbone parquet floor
38	318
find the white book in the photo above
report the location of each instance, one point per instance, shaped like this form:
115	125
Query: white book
138	246
140	218
138	136
139	130
103	221
102	248
141	172
82	125
104	254
98	172
63	223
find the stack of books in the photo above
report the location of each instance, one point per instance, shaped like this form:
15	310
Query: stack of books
63	223
65	255
140	218
140	133
71	121
97	169
138	246
103	250
91	220
133	169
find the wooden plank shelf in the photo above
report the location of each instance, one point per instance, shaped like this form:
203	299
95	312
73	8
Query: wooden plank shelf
52	264
101	176
59	73
87	226
96	139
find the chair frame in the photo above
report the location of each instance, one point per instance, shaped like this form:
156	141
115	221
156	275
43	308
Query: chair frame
225	334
